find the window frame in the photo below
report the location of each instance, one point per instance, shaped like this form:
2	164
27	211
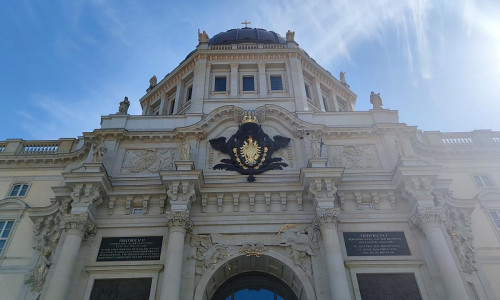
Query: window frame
154	107
8	238
216	76
22	184
252	76
307	88
280	76
480	182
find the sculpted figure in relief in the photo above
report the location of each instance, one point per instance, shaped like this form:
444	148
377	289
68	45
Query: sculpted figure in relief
184	149
148	160
99	150
353	156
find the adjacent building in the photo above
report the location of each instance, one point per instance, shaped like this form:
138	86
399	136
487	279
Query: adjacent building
250	172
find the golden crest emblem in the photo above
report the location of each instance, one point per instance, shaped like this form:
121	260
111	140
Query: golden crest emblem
250	151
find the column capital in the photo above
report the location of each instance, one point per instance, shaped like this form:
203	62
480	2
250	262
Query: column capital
261	65
234	65
426	216
78	222
179	221
328	217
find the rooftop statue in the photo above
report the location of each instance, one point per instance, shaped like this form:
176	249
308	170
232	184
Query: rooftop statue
152	82
123	109
202	37
375	100
290	36
342	78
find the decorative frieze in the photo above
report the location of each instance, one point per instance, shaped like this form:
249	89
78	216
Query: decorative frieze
148	160
86	194
353	157
322	188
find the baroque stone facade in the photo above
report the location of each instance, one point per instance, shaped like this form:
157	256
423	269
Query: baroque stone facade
351	202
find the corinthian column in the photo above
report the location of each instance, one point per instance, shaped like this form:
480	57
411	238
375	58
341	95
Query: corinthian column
178	222
76	226
429	220
337	276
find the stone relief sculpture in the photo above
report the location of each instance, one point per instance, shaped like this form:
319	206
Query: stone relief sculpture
46	233
124	105
99	150
184	150
297	245
202	36
400	146
353	156
148	160
315	148
376	100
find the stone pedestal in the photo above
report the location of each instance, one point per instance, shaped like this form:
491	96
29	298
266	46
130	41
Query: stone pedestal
184	165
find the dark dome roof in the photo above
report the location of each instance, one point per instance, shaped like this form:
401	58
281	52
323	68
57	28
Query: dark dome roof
247	35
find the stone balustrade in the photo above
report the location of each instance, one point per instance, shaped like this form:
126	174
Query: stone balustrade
22	147
456	139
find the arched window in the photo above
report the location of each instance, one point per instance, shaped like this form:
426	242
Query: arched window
254	285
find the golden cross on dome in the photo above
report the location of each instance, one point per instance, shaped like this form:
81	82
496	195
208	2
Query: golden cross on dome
246	23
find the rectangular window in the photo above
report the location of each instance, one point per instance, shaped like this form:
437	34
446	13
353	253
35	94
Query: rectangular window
308	91
189	93
483	181
19	190
155	108
276	83
137	211
248	83
495	215
220	84
5	229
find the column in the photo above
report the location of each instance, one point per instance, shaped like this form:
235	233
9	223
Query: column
263	79
319	95
234	80
178	222
76	227
198	85
337	276
429	219
299	91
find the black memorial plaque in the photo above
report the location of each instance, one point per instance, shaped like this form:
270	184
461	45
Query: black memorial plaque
121	288
130	248
376	243
388	286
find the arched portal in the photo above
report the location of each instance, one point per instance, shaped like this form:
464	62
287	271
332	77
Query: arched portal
254	285
287	277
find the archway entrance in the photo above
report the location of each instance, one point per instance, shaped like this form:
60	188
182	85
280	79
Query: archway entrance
254	285
267	274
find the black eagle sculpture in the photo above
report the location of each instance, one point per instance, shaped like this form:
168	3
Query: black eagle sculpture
250	150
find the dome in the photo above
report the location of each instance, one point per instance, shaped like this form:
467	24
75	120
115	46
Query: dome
247	35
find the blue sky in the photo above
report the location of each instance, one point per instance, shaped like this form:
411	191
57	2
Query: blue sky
65	63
